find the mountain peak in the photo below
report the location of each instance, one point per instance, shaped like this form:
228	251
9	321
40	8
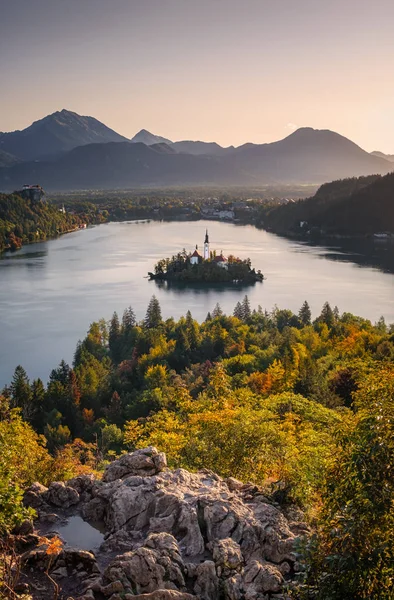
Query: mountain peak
146	137
56	133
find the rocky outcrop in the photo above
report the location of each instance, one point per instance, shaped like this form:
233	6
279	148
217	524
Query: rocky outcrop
145	462
181	535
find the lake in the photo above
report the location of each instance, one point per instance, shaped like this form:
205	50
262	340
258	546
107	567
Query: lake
50	292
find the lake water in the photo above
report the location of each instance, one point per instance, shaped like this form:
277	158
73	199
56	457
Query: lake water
50	292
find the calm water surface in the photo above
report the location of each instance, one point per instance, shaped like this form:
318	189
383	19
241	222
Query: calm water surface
51	292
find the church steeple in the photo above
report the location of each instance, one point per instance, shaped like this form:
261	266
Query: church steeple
206	246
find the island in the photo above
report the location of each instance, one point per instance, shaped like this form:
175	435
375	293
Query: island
209	267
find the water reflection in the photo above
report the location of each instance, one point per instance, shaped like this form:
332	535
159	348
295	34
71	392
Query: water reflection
179	287
363	252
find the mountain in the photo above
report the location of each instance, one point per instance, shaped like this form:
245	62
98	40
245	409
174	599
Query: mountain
55	134
197	148
7	160
356	206
122	165
307	156
389	157
148	138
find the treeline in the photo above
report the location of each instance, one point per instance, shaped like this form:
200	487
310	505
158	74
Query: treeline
23	221
302	407
356	206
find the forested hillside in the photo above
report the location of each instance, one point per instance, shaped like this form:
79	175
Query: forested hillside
355	206
302	408
23	221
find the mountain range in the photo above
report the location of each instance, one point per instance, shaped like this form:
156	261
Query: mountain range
67	151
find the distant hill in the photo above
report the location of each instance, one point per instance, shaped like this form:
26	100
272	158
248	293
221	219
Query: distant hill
356	206
55	134
122	165
389	157
198	148
148	138
307	155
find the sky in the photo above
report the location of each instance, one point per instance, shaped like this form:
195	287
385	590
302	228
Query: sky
230	71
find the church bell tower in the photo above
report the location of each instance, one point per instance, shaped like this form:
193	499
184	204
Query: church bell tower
206	246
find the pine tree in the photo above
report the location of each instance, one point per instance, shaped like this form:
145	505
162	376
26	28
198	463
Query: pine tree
327	315
217	311
153	314
305	314
21	394
128	320
114	334
238	311
246	308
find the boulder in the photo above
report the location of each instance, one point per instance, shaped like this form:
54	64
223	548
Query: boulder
34	496
61	495
145	462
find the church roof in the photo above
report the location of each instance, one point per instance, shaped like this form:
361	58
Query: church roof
196	254
220	258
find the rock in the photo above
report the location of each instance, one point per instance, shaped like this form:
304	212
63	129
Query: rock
48	517
112	588
227	556
162	595
178	535
146	462
82	483
61	495
34	495
59	573
262	577
207	582
234	484
25	528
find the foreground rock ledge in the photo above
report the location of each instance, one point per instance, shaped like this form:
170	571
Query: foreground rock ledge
178	535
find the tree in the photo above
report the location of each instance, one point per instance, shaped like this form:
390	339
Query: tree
238	311
21	393
246	309
356	551
327	315
217	311
153	314
114	337
305	314
128	320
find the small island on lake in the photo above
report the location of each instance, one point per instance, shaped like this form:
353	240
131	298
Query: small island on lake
208	267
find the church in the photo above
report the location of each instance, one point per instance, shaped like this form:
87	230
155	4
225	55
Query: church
196	257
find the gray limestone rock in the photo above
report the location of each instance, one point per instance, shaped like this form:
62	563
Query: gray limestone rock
145	462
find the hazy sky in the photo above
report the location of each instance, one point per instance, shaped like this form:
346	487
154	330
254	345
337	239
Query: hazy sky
225	70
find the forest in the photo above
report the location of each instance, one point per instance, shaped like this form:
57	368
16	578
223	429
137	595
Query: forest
24	221
302	407
358	206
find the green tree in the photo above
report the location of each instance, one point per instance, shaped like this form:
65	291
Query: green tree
21	393
153	314
305	314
